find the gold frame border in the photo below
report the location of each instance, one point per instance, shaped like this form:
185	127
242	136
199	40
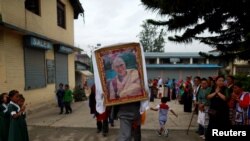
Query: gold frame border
100	52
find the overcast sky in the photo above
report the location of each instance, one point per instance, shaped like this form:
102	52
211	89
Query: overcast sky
118	21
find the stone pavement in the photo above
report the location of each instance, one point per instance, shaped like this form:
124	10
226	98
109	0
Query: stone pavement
47	124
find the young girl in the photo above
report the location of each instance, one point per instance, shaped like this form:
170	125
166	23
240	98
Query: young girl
4	120
163	109
67	99
17	130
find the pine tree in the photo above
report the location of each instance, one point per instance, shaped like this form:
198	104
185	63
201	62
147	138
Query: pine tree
228	21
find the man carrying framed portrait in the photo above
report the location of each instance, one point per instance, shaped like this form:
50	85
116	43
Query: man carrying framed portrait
120	78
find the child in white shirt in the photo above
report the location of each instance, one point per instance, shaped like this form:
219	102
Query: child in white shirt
163	114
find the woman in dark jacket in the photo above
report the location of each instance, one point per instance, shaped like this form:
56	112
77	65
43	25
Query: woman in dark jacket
218	109
59	94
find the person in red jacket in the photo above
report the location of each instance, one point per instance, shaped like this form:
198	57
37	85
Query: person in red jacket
246	100
241	104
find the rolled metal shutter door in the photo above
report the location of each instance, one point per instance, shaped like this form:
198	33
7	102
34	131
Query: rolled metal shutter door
35	76
61	68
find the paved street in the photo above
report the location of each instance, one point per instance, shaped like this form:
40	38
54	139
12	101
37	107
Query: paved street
47	124
89	134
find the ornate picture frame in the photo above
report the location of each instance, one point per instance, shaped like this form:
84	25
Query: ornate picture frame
121	73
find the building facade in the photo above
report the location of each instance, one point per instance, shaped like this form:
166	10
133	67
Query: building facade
37	47
178	65
83	76
239	67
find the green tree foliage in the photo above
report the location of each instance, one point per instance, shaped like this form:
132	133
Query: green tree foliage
227	20
151	39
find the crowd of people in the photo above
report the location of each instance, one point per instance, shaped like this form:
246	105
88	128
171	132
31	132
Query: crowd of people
221	103
13	126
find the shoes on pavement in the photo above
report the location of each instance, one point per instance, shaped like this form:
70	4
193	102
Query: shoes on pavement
166	132
203	137
104	134
158	132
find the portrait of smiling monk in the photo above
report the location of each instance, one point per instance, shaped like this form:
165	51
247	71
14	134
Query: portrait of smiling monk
126	83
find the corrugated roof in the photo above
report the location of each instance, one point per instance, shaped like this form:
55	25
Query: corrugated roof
188	66
173	54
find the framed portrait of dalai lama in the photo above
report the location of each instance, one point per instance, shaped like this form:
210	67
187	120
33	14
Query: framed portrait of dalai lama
121	73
